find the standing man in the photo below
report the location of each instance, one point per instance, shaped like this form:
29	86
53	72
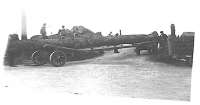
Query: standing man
155	43
43	31
163	41
164	36
120	32
172	41
62	31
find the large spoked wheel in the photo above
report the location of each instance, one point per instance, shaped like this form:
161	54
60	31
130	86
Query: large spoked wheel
39	58
57	58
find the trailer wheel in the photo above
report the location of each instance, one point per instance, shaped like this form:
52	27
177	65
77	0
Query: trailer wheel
39	57
57	58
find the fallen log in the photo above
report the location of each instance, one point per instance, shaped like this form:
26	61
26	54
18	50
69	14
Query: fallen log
25	48
78	43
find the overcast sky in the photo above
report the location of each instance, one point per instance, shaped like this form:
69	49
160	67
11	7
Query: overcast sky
131	16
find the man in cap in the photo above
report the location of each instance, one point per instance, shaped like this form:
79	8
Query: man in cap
163	41
164	36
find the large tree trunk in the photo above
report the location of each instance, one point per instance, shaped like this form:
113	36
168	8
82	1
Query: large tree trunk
102	41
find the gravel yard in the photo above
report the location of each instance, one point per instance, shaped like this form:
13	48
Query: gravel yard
121	74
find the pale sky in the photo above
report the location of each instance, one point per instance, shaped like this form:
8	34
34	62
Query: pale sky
131	16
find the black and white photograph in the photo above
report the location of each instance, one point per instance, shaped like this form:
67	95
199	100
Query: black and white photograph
77	50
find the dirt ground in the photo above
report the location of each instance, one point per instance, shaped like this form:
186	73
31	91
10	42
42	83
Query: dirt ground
121	74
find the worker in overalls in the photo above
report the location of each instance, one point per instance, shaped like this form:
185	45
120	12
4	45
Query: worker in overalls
172	42
163	39
43	31
115	49
155	43
163	44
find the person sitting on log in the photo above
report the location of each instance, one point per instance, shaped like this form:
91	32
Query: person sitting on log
43	31
164	36
116	34
62	32
110	34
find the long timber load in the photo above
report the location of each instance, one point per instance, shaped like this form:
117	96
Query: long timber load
97	42
28	46
68	48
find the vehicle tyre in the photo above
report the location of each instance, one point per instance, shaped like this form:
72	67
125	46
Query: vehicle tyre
39	57
57	58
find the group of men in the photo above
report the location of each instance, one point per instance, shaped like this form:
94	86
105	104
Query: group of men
167	43
62	32
110	34
162	39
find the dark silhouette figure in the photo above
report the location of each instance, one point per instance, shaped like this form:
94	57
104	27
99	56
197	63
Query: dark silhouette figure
62	32
43	31
116	34
163	36
110	34
163	42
